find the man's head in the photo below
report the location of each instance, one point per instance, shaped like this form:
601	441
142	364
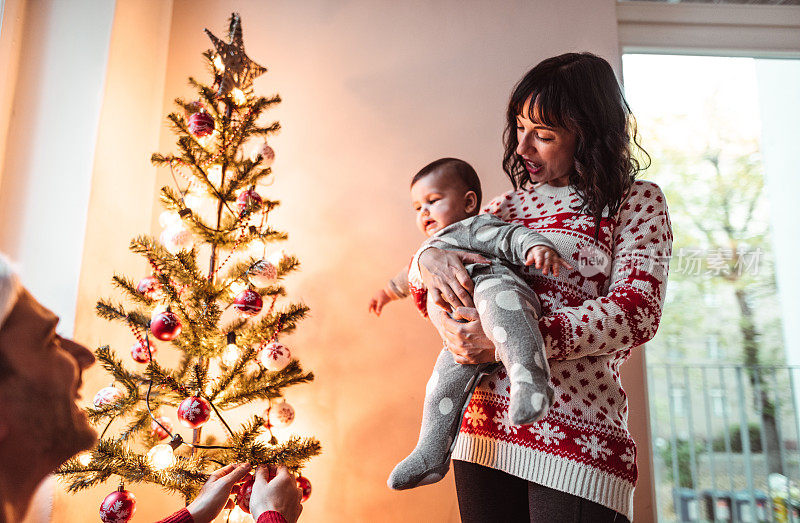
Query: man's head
40	374
445	192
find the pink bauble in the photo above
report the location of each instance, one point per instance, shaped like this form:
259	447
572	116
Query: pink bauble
305	486
165	326
262	273
248	302
248	200
118	507
281	415
139	352
275	356
157	432
194	411
150	287
267	154
106	396
201	124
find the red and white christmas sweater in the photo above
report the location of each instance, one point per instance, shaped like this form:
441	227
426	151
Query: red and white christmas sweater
592	318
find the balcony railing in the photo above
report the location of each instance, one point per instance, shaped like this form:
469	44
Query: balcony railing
725	440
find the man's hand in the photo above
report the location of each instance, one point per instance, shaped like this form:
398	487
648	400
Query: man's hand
378	301
280	494
545	259
215	493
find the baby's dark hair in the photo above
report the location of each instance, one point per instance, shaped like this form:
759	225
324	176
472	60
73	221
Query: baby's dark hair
465	172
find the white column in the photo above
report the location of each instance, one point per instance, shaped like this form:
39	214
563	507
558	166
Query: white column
779	99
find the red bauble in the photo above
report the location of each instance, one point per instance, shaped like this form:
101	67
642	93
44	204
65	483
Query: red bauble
248	302
139	352
118	507
248	200
165	326
157	432
245	490
150	287
305	486
194	411
201	124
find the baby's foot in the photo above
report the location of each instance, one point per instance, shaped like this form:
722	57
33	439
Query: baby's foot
423	467
529	401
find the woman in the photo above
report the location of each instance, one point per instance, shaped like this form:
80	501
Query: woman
568	153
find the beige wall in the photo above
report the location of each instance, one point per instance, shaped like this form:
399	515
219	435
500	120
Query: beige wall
372	91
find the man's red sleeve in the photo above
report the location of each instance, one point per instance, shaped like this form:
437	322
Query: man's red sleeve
271	517
183	516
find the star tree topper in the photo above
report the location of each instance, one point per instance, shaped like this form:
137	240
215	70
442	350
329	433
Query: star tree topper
239	70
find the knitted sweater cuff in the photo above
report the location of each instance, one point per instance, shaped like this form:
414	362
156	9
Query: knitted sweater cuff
271	517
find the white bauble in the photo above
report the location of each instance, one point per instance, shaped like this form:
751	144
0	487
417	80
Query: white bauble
107	395
275	356
175	239
281	415
262	273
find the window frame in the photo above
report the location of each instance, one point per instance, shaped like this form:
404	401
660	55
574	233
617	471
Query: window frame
756	31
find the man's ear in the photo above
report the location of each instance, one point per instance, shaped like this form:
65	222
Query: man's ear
470	201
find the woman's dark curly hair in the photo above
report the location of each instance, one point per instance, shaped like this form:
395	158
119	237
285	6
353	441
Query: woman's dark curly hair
579	92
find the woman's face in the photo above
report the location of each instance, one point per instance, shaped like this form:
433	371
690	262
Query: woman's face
547	152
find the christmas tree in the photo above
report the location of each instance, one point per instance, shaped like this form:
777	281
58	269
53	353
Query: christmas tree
214	319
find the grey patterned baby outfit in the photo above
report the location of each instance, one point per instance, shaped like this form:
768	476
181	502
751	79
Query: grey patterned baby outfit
509	311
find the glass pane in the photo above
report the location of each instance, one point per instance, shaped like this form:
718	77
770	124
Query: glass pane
723	369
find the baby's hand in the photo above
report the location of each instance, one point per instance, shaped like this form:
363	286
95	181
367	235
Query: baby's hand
546	258
378	301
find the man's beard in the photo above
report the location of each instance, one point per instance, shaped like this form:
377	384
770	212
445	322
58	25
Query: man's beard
56	425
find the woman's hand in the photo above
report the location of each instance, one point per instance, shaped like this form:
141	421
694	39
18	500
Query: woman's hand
465	339
280	494
445	277
215	493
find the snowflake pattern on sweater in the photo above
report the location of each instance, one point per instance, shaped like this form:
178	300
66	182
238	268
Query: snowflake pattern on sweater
591	321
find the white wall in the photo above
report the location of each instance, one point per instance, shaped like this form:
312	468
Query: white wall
49	149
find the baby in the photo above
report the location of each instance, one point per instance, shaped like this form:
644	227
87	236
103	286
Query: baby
446	195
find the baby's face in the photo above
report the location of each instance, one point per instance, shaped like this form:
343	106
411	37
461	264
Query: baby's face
439	200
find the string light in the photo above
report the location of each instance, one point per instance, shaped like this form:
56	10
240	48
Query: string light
238	286
162	456
238	97
218	65
158	309
85	458
231	352
237	515
215	174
